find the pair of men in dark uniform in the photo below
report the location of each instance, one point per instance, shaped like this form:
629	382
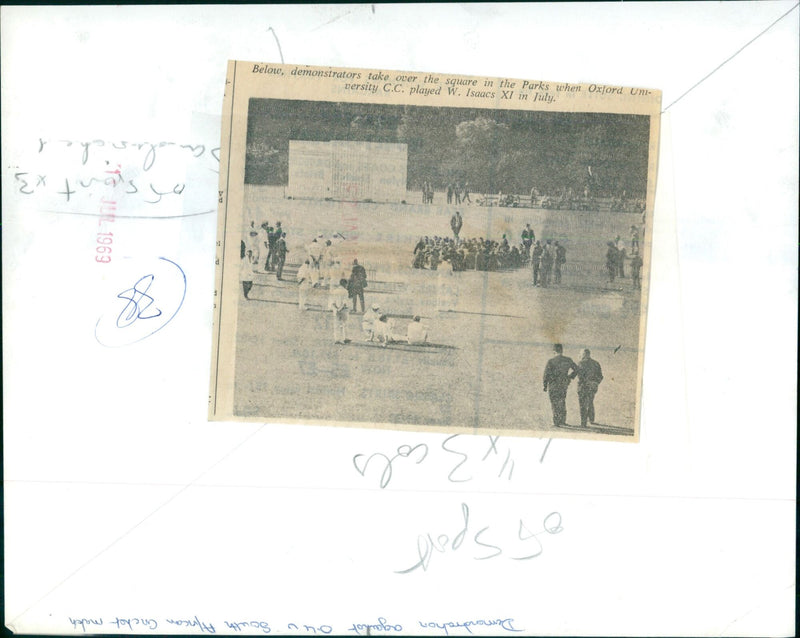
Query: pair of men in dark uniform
558	373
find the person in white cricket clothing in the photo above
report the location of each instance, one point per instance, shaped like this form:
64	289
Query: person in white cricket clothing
252	243
339	305
368	322
314	250
384	330
417	333
328	265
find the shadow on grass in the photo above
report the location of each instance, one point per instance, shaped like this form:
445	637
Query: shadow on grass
425	347
599	428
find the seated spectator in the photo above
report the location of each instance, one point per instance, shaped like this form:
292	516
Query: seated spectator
417	333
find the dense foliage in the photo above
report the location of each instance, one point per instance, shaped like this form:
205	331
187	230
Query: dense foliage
494	149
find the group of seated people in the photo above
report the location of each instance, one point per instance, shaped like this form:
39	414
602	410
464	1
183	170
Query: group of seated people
381	328
468	254
622	204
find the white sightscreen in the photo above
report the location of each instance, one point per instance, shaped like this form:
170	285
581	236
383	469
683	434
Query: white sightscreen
309	169
348	170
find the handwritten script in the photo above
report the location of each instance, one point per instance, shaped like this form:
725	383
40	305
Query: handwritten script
138	303
468	457
149	305
71	175
484	543
258	626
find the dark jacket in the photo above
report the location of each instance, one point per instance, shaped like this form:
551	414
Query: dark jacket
589	373
358	280
557	373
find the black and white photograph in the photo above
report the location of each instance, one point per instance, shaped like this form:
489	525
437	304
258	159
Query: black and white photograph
476	268
425	319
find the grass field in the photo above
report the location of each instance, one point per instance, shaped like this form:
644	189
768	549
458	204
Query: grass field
484	369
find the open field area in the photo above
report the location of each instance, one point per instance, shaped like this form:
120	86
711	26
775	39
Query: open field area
490	333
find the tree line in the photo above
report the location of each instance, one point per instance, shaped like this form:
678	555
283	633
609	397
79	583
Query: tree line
494	149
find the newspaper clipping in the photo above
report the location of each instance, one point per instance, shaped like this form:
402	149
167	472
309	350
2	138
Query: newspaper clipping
433	252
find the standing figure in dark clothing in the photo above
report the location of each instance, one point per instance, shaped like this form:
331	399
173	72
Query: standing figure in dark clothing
272	236
589	374
528	237
634	240
268	230
357	283
280	254
536	256
636	271
611	261
560	260
455	225
419	254
547	264
556	381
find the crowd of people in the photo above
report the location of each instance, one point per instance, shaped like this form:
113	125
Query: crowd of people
323	266
456	192
260	240
545	257
566	198
269	240
323	269
474	253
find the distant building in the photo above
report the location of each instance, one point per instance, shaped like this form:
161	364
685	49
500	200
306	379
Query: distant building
349	171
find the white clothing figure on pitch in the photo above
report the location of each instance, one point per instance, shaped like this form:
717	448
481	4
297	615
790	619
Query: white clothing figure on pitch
263	238
417	333
339	305
327	266
251	241
304	281
384	330
368	322
314	250
446	291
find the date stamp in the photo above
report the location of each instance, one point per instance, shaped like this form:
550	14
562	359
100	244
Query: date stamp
105	239
108	210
